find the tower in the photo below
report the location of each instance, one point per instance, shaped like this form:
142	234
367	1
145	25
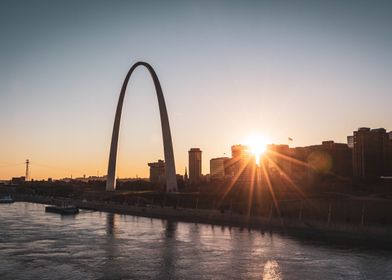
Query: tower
219	167
157	172
27	170
370	153
194	165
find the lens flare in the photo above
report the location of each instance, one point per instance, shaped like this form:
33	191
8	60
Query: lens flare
257	144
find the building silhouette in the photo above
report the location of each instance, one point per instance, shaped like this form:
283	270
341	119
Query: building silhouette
372	153
303	164
330	157
219	168
277	158
242	164
194	165
350	141
157	172
18	180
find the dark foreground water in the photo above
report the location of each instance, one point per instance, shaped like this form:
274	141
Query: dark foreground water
94	245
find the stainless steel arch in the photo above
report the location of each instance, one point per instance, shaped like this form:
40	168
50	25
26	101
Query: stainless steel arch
170	169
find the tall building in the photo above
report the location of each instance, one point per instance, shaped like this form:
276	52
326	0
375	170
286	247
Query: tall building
242	164
157	172
219	168
371	153
194	165
389	155
350	141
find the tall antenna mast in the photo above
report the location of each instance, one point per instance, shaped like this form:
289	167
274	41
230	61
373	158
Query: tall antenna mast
27	170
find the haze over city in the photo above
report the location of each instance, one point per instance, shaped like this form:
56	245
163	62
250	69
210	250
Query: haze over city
228	69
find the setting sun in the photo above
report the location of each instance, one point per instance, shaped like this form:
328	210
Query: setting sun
257	144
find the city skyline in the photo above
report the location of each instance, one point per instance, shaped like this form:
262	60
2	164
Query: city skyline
256	146
228	71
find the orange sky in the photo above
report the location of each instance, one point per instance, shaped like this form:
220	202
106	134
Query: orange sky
310	71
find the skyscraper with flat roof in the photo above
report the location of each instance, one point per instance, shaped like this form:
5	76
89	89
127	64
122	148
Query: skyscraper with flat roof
157	171
350	141
370	153
218	168
194	165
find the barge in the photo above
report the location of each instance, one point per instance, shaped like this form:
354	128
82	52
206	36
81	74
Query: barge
63	210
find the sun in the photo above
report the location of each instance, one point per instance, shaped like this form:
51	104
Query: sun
257	144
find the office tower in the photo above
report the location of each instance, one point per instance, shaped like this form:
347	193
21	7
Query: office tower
194	165
219	168
350	141
157	171
371	153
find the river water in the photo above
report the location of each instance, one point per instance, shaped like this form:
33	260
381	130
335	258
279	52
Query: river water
96	245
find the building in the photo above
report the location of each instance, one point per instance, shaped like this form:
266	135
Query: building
281	160
18	180
242	164
350	141
219	168
388	159
157	172
371	153
194	165
278	158
331	157
302	164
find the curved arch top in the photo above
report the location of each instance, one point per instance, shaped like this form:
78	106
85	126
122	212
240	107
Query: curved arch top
170	169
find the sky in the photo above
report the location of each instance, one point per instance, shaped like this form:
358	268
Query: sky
309	70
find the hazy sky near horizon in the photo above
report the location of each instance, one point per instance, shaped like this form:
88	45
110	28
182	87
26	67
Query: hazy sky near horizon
311	70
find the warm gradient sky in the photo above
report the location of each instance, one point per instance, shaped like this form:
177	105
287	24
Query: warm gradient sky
312	70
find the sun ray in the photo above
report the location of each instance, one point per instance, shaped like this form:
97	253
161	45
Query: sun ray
251	189
234	179
271	190
291	182
286	177
305	164
257	144
303	196
293	160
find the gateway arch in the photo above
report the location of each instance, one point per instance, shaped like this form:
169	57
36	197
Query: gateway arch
170	169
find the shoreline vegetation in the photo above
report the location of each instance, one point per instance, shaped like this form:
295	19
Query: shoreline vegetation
380	235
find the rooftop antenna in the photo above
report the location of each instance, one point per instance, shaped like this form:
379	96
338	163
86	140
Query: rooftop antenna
27	170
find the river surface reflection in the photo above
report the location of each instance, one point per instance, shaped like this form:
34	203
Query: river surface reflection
96	245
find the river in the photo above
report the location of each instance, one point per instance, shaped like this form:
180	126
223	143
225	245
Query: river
97	245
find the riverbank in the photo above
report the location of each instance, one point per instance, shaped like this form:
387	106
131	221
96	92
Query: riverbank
382	235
